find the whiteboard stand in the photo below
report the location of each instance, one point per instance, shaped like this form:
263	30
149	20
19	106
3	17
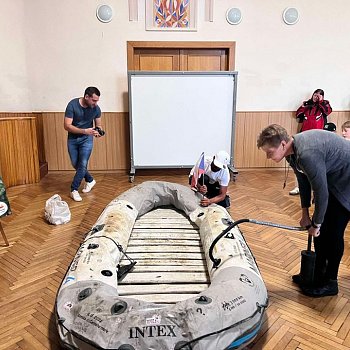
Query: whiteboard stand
175	116
233	172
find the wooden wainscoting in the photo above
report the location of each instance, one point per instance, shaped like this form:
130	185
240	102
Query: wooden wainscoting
19	162
39	130
41	149
249	125
39	136
111	152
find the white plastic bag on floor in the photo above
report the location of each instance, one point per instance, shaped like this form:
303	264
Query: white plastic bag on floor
57	211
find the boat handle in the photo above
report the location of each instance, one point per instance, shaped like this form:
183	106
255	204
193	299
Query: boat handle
216	262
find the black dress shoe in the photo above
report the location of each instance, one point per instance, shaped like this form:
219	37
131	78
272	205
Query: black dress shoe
297	279
330	288
300	281
318	281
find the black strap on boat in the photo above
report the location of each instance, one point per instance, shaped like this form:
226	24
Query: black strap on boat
61	321
216	262
259	309
94	229
122	270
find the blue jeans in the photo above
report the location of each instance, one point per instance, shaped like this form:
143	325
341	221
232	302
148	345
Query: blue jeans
79	150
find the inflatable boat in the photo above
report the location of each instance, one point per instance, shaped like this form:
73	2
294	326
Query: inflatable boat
90	313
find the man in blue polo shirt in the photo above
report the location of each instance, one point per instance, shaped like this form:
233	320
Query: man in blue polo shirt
81	115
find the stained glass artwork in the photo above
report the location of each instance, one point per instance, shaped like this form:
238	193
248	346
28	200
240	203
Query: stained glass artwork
171	15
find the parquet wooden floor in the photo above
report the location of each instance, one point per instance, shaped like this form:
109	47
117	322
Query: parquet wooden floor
33	266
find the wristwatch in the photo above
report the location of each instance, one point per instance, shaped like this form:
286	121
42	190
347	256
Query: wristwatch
315	225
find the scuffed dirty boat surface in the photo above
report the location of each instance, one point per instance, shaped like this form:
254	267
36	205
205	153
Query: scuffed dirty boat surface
91	311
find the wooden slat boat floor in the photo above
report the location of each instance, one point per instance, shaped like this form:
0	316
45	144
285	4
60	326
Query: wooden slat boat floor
163	288
156	261
165	225
160	242
165	298
169	247
177	256
171	234
160	277
168	268
174	268
292	321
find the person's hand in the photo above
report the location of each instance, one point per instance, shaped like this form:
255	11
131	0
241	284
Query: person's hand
314	231
202	189
205	202
96	133
91	131
305	221
310	102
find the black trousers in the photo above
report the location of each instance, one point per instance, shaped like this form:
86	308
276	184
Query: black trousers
329	245
213	190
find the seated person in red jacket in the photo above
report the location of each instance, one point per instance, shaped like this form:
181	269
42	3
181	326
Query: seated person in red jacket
313	112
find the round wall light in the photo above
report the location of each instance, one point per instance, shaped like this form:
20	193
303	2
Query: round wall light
104	13
233	15
290	15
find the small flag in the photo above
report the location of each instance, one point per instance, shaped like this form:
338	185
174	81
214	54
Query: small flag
198	170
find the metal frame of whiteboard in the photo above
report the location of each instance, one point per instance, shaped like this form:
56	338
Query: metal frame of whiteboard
132	75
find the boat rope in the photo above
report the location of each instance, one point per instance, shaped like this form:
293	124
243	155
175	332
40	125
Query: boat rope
259	309
216	262
61	321
122	270
120	248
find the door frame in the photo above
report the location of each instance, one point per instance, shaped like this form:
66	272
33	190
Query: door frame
228	46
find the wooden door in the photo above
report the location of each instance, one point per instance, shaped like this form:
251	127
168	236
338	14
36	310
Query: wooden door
183	56
203	60
156	59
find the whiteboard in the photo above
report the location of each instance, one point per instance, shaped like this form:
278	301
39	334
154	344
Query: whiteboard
175	116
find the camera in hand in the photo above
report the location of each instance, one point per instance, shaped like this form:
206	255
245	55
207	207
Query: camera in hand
308	103
100	131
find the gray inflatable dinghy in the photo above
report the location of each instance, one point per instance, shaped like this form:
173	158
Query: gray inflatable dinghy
90	314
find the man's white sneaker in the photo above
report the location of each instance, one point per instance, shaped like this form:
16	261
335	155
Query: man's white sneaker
294	191
76	196
88	186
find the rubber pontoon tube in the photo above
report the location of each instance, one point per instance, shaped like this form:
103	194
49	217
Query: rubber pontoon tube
216	262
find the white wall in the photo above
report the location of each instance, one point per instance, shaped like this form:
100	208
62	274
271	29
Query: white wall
13	66
54	49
